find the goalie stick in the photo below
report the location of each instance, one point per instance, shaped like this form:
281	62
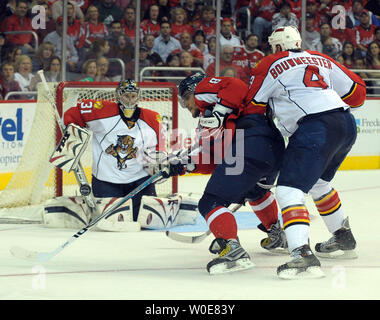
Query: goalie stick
84	187
41	257
194	239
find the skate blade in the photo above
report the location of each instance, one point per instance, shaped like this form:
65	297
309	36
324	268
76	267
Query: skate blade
239	265
339	254
295	274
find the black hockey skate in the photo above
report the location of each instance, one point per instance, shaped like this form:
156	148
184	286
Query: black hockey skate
276	240
340	246
232	257
304	265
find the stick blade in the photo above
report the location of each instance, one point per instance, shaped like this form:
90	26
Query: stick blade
187	239
29	255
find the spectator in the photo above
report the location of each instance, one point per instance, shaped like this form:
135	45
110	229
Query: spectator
164	44
23	75
228	72
151	24
171	61
285	17
226	36
20	22
52	72
312	36
327	44
377	35
179	23
355	14
206	22
373	57
44	52
227	52
57	10
192	11
347	57
93	27
103	65
129	22
187	45
89	70
263	11
49	21
4	48
12	54
199	40
365	32
248	56
115	30
55	38
343	35
74	24
123	50
143	62
296	7
164	10
186	61
7	9
109	11
153	57
99	48
209	57
7	81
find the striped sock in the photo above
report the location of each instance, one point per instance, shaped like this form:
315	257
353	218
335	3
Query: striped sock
330	209
222	223
266	209
296	225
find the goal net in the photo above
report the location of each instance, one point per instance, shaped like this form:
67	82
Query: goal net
35	180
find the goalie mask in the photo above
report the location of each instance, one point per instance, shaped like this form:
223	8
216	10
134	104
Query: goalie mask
285	38
128	95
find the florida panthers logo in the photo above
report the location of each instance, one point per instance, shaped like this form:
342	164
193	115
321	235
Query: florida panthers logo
123	150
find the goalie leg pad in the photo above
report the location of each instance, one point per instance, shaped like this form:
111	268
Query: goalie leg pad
162	213
65	212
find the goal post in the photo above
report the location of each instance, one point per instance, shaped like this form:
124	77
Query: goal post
36	180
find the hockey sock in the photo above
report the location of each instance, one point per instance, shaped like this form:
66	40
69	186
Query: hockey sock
266	209
330	209
222	223
296	225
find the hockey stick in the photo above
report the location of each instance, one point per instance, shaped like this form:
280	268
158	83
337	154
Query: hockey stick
40	257
84	187
194	239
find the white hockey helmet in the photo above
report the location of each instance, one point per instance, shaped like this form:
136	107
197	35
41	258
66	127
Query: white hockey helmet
287	38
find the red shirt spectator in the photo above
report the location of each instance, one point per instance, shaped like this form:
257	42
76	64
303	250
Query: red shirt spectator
264	8
129	22
365	31
19	22
207	22
151	25
92	28
344	35
7	81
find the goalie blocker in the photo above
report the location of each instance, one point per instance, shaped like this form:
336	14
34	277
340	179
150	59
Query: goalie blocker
154	213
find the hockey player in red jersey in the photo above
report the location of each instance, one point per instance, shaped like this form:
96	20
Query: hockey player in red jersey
226	126
122	131
311	96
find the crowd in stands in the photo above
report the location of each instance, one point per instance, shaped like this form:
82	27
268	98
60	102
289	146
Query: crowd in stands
173	33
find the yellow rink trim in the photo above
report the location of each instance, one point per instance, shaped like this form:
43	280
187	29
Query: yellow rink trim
350	163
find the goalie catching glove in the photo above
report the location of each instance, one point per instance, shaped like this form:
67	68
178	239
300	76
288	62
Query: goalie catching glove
71	147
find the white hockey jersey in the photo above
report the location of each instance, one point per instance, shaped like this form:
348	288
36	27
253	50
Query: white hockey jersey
295	84
118	144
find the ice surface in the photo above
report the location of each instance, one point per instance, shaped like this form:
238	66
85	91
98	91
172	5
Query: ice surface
149	266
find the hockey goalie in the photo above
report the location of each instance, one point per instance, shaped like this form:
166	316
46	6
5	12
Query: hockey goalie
123	137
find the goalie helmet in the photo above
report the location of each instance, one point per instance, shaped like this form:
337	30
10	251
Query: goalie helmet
188	84
128	95
287	38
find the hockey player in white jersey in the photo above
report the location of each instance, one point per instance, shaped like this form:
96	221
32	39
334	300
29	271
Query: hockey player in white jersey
311	96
